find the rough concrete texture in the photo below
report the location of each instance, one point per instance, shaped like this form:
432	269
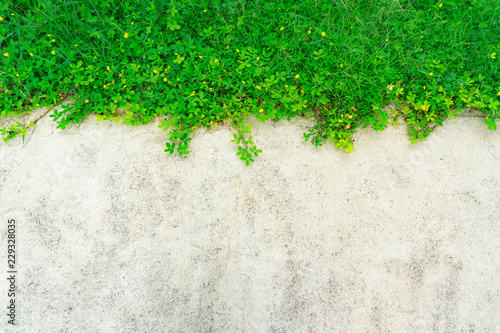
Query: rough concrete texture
115	235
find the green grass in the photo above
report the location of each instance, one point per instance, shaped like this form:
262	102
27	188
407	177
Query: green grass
206	63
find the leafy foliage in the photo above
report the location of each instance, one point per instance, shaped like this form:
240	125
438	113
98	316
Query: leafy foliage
209	63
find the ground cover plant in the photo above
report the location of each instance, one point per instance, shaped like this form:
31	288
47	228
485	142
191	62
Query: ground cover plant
209	63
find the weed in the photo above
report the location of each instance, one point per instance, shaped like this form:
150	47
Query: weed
208	63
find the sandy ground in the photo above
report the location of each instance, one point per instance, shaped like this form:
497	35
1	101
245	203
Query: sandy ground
114	235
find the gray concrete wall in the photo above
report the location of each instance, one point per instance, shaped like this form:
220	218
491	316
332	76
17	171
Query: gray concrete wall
114	235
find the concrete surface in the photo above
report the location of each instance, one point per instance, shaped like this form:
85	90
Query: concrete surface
114	235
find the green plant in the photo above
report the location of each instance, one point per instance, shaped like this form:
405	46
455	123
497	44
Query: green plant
14	130
247	150
213	63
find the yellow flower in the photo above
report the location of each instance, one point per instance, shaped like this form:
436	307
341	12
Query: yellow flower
424	87
394	124
6	54
76	44
105	86
205	11
244	82
331	43
192	94
1	18
261	110
38	105
165	79
17	74
286	85
440	5
309	31
498	93
431	74
237	50
323	34
349	116
107	68
341	65
132	23
53	52
31	53
53	40
155	71
224	121
49	35
387	39
13	14
297	76
282	28
486	117
87	101
211	122
258	58
126	35
201	57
